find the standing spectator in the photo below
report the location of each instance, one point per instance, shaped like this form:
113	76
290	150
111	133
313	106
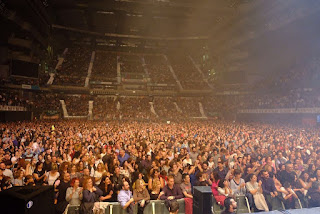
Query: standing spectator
155	184
125	198
222	172
108	190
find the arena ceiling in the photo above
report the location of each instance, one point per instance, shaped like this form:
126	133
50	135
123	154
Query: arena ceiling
241	35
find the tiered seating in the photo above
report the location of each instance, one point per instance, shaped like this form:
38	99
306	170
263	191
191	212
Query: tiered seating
135	108
74	69
165	108
105	108
189	106
158	70
189	77
104	66
77	105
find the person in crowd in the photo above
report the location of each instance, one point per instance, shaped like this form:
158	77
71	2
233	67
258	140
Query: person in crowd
268	188
171	191
187	192
141	195
224	188
108	189
237	184
125	198
314	195
18	178
53	174
230	206
74	193
173	207
155	184
255	189
91	196
39	174
62	191
289	196
221	170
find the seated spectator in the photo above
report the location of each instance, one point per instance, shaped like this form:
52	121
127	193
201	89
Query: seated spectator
62	191
141	196
74	193
237	184
171	191
255	189
289	196
173	207
39	174
18	178
53	175
125	198
187	192
314	195
108	190
155	184
230	206
268	187
28	181
224	188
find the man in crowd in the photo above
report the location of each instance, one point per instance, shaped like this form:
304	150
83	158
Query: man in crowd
125	198
171	191
268	188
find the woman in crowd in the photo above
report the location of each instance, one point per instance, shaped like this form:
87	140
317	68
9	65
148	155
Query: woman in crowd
98	173
18	178
74	193
155	184
237	184
224	188
141	196
106	186
256	190
214	187
39	174
53	174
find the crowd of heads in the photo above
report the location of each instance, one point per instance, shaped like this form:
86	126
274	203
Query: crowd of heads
154	156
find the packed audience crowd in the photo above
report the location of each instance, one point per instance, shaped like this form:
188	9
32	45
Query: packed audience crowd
104	66
187	74
77	105
134	162
74	68
12	98
158	70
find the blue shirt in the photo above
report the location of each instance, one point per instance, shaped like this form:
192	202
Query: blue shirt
123	159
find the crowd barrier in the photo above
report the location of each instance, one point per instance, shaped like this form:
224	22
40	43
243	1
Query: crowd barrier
158	207
154	207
